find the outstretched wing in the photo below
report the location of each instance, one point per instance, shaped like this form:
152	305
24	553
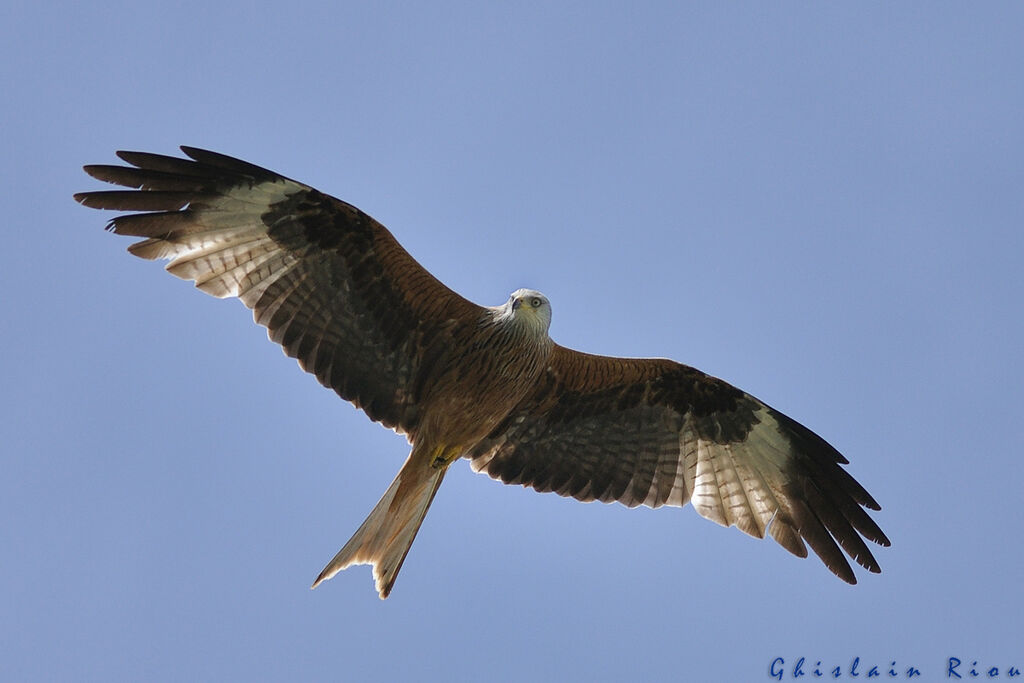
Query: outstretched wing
655	432
330	283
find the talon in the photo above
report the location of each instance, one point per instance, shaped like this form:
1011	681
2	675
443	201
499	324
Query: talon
438	461
443	457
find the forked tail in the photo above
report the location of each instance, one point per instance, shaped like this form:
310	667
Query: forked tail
385	537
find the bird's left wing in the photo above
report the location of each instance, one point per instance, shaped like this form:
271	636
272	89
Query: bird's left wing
330	283
654	432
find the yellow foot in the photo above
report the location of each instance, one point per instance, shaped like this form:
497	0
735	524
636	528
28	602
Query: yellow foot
444	456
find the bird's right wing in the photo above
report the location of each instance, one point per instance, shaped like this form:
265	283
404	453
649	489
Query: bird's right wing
654	432
330	283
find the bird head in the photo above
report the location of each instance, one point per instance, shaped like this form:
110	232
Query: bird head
531	308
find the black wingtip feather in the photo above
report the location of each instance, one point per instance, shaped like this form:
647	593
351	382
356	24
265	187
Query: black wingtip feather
151	225
135	200
186	168
813	531
142	179
223	161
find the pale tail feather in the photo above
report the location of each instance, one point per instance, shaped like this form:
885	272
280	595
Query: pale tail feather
385	537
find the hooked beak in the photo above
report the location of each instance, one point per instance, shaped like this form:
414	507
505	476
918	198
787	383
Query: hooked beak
516	303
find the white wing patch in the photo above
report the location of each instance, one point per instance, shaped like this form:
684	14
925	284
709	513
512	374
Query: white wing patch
739	484
227	250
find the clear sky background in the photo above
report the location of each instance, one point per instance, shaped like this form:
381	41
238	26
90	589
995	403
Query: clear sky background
819	202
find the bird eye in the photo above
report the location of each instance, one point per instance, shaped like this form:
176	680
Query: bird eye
535	302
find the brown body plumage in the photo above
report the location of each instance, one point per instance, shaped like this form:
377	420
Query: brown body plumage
339	293
482	373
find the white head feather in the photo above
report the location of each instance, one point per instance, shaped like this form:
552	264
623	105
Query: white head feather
529	308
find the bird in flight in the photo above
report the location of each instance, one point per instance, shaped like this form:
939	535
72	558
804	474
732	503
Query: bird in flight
336	290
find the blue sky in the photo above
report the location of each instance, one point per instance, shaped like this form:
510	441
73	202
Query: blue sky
821	203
